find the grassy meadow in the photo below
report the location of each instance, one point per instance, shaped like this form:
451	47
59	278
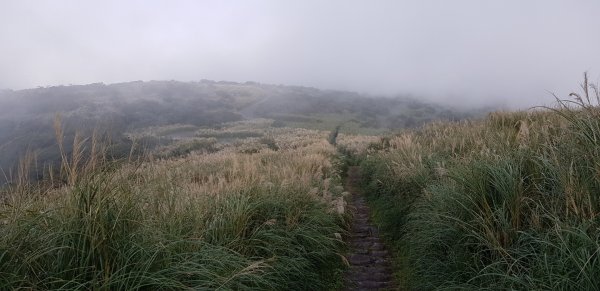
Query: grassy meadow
164	111
246	215
510	201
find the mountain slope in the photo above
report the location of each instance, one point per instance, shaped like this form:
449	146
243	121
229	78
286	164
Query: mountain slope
26	116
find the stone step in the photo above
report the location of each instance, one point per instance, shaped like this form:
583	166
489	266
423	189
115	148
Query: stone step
375	246
361	244
359	259
380	254
377	277
373	284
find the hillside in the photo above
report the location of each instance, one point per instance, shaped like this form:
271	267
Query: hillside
509	202
171	185
158	112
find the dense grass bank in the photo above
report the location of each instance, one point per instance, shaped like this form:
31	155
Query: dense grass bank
204	221
508	202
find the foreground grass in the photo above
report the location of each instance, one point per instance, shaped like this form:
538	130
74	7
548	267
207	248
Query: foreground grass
508	202
226	220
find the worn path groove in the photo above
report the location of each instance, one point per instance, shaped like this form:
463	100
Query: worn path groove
370	262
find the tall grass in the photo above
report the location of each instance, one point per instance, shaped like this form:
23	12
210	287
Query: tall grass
508	202
206	221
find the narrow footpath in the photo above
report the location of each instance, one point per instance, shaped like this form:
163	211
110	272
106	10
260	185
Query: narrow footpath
370	262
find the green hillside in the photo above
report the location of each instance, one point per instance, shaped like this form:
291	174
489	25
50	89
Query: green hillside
170	110
509	202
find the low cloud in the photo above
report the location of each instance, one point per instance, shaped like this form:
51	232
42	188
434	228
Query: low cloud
460	52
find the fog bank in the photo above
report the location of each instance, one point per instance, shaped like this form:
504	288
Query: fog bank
460	52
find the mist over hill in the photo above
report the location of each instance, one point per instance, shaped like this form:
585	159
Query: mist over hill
26	116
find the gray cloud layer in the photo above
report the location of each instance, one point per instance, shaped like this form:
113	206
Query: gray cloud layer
460	51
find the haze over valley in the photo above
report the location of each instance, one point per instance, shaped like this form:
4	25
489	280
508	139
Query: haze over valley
135	112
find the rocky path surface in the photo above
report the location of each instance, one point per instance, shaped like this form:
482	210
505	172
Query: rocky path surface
370	262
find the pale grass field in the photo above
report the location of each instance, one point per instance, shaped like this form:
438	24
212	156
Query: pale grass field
357	144
228	219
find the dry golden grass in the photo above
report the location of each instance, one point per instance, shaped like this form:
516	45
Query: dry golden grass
303	161
357	144
245	215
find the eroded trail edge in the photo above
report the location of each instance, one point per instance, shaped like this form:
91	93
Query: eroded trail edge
370	262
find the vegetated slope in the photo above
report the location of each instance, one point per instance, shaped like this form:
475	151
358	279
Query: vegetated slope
508	202
251	216
114	110
26	116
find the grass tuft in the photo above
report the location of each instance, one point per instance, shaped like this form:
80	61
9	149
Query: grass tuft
507	202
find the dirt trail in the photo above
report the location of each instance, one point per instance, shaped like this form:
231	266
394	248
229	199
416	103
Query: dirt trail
370	262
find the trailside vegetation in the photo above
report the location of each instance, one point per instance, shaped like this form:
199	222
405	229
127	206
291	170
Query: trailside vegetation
194	219
511	201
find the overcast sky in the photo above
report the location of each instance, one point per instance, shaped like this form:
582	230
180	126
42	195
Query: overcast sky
479	51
